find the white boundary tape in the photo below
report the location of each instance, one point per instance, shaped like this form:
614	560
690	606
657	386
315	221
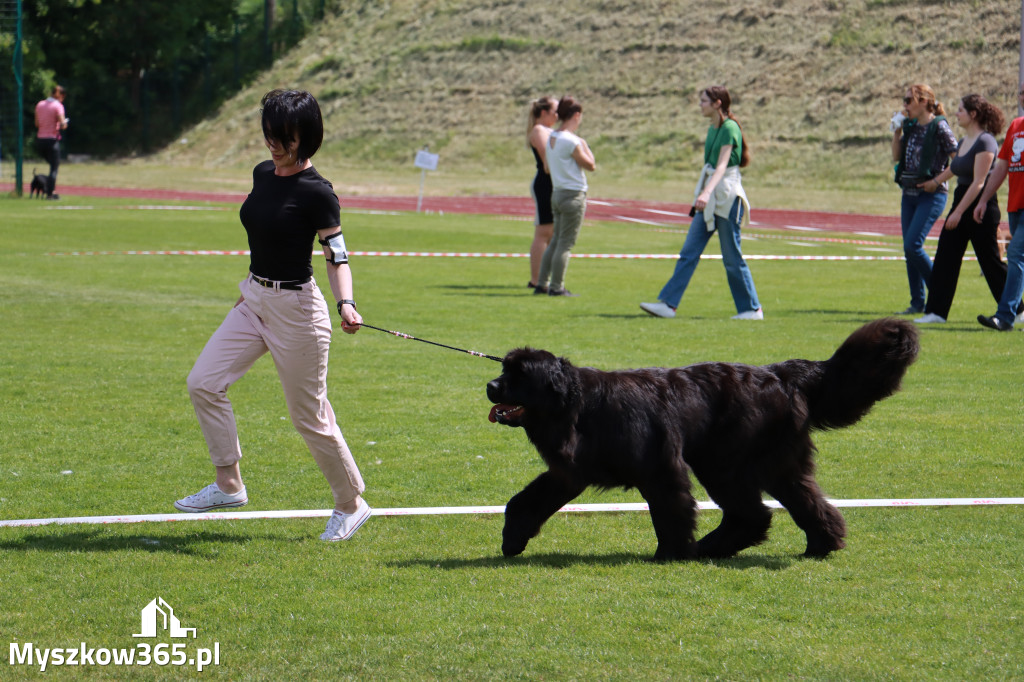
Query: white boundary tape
457	254
497	509
140	208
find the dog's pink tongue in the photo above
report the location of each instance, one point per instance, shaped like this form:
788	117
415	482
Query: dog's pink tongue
491	416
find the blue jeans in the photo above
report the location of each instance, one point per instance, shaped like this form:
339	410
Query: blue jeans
918	213
1014	270
741	283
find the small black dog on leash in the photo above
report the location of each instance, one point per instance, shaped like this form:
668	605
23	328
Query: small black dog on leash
40	185
742	430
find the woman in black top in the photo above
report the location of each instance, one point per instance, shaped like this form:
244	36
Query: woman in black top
981	121
543	115
281	311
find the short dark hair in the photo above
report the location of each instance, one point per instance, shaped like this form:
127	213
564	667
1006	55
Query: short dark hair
568	107
291	114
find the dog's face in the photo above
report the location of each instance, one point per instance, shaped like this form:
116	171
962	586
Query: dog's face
532	383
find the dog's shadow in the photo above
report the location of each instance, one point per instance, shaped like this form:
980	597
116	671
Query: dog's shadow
559	560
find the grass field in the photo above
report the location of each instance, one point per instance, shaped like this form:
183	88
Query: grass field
96	420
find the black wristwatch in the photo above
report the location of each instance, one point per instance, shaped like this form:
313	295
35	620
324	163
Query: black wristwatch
343	302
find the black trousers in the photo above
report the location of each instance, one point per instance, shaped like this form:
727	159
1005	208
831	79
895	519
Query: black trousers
49	149
950	254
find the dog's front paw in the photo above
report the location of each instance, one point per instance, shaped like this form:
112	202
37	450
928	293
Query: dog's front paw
820	548
513	539
517	530
513	546
680	552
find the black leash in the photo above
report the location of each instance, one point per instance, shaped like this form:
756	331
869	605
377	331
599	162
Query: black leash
432	343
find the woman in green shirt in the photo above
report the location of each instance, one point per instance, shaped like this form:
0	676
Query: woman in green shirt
719	204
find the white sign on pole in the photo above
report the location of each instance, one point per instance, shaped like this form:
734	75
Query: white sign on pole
426	160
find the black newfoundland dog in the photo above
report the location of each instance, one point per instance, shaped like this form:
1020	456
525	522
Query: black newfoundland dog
741	430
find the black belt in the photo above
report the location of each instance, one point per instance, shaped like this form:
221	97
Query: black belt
294	284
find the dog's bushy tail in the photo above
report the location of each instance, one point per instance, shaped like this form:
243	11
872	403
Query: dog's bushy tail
868	367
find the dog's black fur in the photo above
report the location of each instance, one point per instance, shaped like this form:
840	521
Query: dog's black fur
40	184
741	430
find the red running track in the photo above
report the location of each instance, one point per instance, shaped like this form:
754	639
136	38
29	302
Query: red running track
625	210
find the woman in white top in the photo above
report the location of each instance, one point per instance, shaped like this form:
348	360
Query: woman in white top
719	204
568	156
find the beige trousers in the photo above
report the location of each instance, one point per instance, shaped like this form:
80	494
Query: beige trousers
295	327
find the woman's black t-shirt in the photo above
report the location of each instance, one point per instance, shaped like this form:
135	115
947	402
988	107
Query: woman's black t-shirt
281	216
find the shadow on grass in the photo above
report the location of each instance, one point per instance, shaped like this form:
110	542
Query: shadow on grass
854	315
956	327
641	315
482	288
556	560
866	316
97	541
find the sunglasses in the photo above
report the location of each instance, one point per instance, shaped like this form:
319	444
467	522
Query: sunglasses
908	100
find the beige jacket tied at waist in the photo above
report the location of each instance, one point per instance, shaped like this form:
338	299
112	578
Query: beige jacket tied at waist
726	192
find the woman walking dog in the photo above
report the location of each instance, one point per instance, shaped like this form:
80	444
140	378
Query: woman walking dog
281	311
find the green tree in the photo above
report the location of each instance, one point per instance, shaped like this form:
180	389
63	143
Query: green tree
115	56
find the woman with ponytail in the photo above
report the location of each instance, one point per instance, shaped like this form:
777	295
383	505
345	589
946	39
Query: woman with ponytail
568	156
719	204
543	115
922	144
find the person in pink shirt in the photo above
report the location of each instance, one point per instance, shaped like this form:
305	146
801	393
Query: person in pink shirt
50	120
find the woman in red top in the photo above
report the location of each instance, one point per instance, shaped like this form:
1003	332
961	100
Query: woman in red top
1009	162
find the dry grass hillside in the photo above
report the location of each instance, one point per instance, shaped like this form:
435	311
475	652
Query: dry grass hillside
815	81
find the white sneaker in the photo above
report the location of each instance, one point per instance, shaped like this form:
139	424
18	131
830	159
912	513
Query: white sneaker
658	309
750	315
343	526
211	497
1019	319
931	318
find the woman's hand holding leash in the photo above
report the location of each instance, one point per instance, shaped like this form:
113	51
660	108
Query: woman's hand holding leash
351	320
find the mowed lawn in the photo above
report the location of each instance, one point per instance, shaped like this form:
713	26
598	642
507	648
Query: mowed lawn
96	421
